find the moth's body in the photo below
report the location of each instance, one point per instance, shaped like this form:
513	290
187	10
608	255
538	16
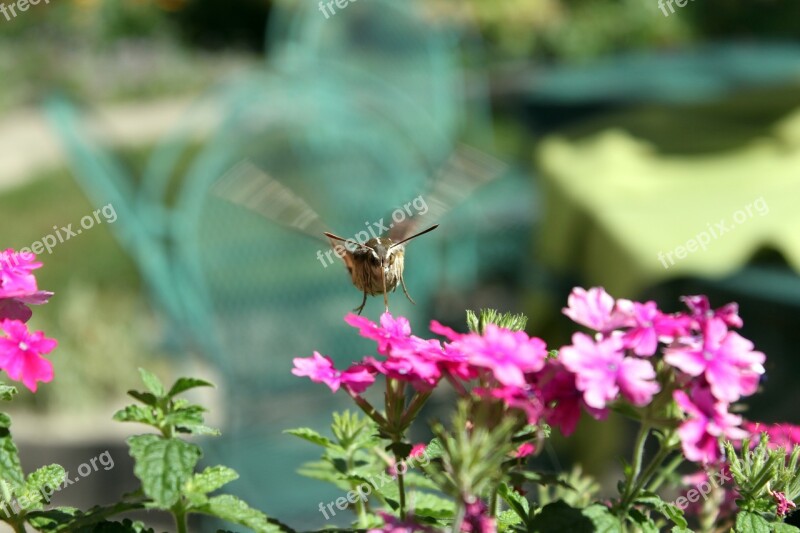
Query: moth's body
376	267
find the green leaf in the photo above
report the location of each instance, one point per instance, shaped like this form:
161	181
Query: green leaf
188	417
184	384
210	479
507	519
163	466
434	449
137	413
431	506
152	383
5	421
747	522
199	429
602	519
559	516
7	392
10	468
44	480
643	522
515	501
311	436
234	510
669	510
144	397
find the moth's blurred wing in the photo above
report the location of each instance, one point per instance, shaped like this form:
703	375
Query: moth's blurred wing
249	186
466	170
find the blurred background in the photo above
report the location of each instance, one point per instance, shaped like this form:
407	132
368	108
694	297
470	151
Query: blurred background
627	129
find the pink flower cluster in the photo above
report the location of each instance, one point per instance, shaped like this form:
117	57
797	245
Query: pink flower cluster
713	365
21	350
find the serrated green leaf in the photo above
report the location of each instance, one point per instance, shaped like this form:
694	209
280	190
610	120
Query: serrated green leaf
559	516
507	519
10	468
643	523
43	480
163	466
152	383
184	384
311	436
187	417
210	479
431	506
7	392
747	522
517	502
232	509
5	421
669	510
199	429
144	397
434	449
138	414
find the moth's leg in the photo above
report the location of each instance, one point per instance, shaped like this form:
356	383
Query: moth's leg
405	291
363	303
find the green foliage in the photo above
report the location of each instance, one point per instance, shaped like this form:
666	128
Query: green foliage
477	322
760	473
164	463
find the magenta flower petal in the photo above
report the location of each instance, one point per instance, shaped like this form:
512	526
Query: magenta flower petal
637	381
319	368
21	354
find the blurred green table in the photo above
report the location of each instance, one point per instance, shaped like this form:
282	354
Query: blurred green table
616	208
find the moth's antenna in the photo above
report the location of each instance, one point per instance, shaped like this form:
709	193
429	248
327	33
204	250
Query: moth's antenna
423	232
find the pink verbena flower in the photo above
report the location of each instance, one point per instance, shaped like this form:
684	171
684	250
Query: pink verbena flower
603	371
477	519
524	450
562	399
525	400
16	274
649	326
319	368
18	287
701	311
21	354
408	357
783	504
707	421
392	331
785	436
725	358
509	355
594	309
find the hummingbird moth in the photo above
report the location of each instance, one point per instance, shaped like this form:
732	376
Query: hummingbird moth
375	266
